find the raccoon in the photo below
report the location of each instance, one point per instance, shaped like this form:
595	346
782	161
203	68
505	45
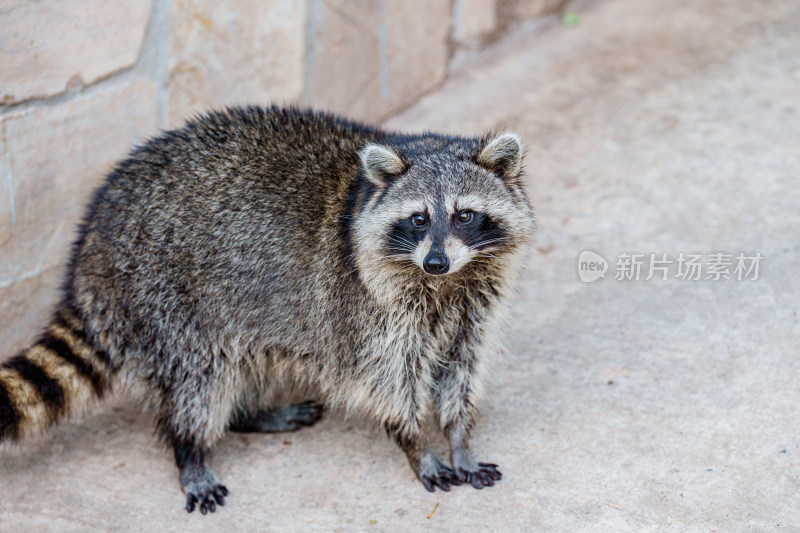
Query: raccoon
256	249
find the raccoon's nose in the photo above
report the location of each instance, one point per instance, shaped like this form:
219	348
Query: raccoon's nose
436	264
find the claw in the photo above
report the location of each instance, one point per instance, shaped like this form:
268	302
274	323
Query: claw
491	470
453	480
191	502
442	484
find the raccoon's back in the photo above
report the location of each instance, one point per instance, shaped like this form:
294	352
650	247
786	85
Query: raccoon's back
236	207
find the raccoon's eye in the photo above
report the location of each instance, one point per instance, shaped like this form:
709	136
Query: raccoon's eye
419	220
466	216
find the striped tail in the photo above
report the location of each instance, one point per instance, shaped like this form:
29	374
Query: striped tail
58	376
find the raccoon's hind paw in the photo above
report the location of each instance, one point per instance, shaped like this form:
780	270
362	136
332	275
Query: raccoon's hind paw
484	475
283	418
205	498
298	415
434	474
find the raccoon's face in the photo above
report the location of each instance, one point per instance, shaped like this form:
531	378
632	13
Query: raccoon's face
440	205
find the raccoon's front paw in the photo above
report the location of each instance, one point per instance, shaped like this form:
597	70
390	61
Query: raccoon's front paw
479	475
205	497
434	474
202	488
483	476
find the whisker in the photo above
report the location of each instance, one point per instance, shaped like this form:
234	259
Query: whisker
403	242
489	241
481	253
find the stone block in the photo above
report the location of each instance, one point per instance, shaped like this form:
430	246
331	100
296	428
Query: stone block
369	59
51	45
53	157
473	19
25	308
234	52
511	11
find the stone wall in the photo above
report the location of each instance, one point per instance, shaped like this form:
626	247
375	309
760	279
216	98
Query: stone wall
83	80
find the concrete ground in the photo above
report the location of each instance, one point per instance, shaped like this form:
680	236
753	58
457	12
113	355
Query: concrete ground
660	126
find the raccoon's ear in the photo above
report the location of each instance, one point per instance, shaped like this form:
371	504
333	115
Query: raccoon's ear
380	163
503	154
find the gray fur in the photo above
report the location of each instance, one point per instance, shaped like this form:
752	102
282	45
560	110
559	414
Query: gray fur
244	253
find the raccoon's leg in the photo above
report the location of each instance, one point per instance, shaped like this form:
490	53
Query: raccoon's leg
283	418
456	409
195	403
428	468
201	485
